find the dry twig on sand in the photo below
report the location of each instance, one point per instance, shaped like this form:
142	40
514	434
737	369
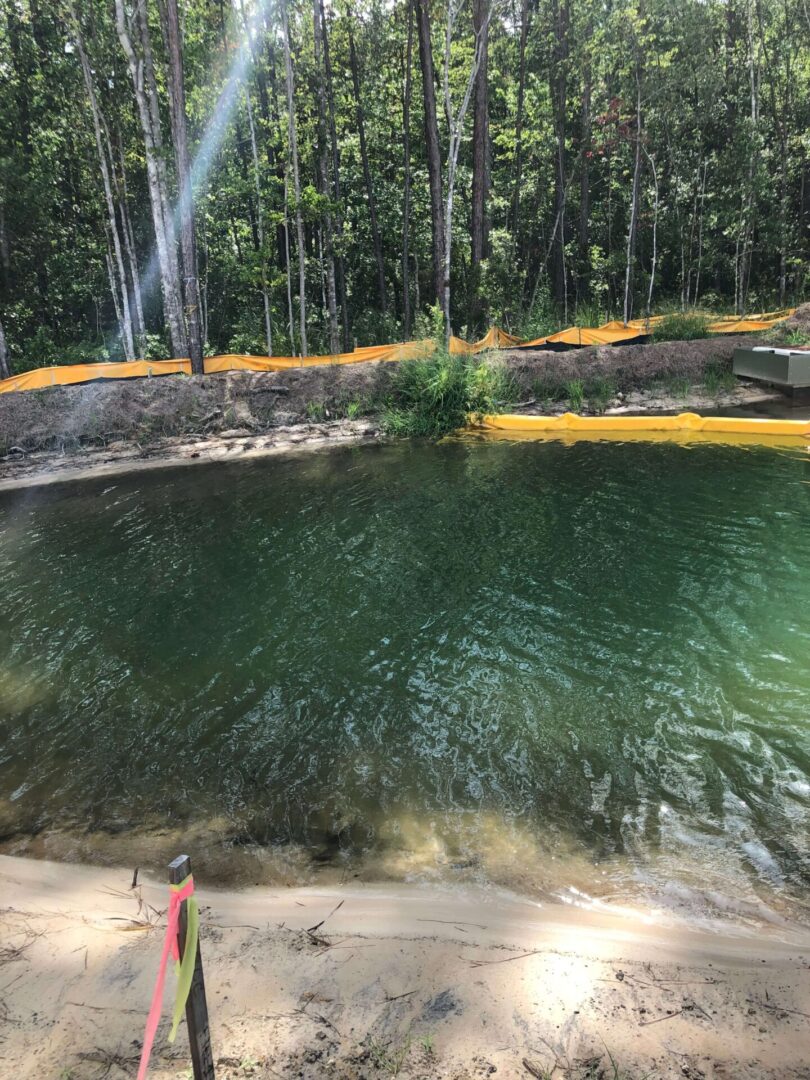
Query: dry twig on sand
505	960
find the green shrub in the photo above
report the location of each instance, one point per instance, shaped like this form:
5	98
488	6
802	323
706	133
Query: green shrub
434	396
682	326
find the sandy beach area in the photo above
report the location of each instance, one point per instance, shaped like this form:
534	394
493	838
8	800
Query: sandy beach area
395	980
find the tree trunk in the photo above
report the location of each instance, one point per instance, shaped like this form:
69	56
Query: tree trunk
406	153
524	33
700	233
291	131
127	337
5	370
149	80
143	82
585	176
480	151
177	97
456	126
372	206
323	182
268	328
341	262
129	245
558	89
654	261
5	250
113	280
290	316
432	144
633	228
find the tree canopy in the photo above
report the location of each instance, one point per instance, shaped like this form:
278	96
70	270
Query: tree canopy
531	162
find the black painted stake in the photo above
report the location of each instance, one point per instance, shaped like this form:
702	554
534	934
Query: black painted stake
199	1032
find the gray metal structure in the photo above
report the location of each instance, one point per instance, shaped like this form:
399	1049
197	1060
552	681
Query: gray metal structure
788	368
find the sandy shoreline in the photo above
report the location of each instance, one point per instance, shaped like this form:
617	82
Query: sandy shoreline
49	467
399	980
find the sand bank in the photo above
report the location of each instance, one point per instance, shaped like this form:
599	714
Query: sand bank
88	462
399	980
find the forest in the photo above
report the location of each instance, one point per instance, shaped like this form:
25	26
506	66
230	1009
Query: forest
292	177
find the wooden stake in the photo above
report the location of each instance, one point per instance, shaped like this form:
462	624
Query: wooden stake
199	1032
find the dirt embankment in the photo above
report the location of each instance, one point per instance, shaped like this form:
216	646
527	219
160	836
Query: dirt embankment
627	367
116	426
799	321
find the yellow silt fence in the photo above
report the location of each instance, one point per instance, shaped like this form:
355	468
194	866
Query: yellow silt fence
611	333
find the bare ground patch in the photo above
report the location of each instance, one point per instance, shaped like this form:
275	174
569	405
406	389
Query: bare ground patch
395	981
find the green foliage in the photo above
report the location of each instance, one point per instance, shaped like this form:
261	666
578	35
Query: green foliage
56	293
316	410
427	1044
430	324
599	393
575	392
541	319
247	343
589	313
434	396
682	326
793	337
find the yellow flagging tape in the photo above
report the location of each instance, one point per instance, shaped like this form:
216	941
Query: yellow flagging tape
611	333
681	428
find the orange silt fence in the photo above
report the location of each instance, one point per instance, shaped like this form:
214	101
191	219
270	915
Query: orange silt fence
574	337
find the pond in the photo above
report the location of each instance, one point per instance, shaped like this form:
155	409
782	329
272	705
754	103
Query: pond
572	670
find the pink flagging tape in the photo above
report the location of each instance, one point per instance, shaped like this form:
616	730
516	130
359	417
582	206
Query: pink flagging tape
177	894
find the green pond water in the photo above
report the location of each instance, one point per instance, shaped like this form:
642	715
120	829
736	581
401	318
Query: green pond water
565	669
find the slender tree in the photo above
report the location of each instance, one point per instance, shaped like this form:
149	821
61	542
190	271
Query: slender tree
293	139
455	121
372	204
341	262
117	273
558	91
434	164
5	370
521	92
406	157
177	98
323	180
632	229
479	226
133	33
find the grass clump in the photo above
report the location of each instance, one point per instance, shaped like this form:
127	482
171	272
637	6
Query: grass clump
600	393
575	392
677	386
794	337
433	396
682	326
718	380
